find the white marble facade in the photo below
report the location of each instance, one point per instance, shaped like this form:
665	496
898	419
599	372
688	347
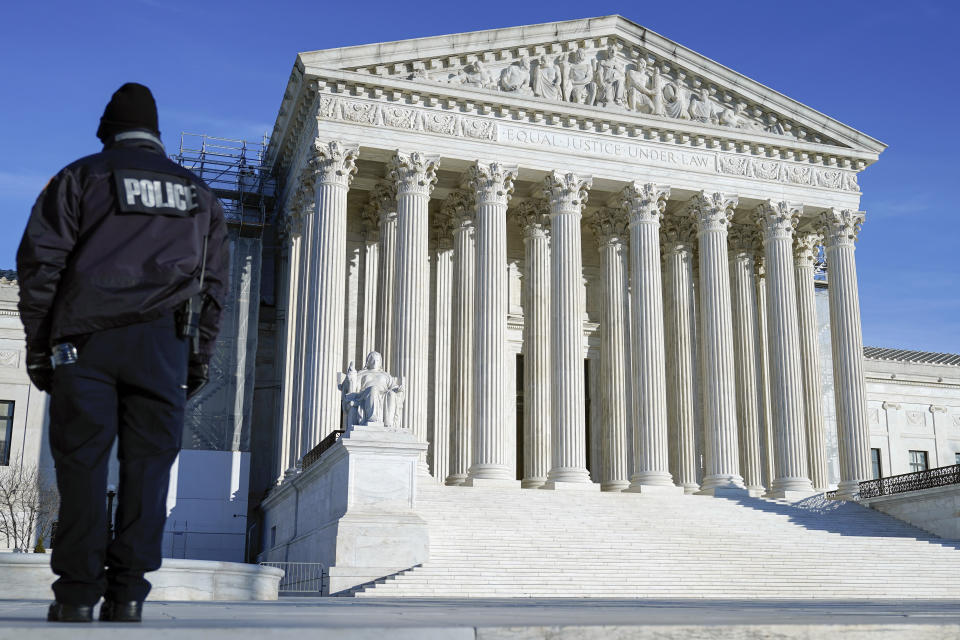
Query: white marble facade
571	192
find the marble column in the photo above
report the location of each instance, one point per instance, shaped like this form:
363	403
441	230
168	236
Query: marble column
743	242
763	353
567	194
335	165
414	175
492	186
682	369
442	329
805	255
713	212
609	227
841	229
302	402
534	220
383	198
644	205
461	373
777	222
370	272
289	235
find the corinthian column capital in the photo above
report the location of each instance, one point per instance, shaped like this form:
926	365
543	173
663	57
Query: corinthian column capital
609	225
805	245
644	201
567	192
334	162
533	217
678	231
778	219
459	206
414	173
842	226
712	211
743	239
492	182
380	207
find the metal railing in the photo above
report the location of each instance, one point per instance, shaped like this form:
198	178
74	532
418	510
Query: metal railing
314	454
299	577
929	479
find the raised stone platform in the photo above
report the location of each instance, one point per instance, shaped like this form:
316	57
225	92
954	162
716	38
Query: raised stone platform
28	575
520	619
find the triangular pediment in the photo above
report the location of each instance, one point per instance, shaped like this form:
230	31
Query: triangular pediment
608	63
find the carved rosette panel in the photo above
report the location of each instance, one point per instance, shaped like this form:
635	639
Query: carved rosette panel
610	225
334	162
841	226
533	216
644	202
492	182
778	219
805	245
567	192
414	173
712	211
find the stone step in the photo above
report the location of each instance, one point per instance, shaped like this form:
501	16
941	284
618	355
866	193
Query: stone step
492	542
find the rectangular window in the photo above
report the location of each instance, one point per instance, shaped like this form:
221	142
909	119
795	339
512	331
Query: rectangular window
6	431
877	467
957	458
918	461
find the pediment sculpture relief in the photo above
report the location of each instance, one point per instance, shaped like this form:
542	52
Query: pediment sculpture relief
606	77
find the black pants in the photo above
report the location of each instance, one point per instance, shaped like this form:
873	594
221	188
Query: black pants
127	383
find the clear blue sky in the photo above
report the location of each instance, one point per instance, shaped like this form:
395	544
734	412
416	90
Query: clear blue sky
887	68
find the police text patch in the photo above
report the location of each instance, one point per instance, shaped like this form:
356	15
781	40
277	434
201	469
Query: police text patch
155	192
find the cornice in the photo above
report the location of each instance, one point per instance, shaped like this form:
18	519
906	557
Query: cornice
461	112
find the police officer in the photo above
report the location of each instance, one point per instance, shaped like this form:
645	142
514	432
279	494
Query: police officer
110	269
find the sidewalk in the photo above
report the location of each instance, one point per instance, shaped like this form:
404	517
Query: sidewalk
527	619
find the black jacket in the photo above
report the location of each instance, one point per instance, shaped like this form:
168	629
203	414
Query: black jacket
117	238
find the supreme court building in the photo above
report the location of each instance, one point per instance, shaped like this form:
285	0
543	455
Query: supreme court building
589	254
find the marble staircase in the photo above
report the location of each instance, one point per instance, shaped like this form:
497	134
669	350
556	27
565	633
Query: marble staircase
501	542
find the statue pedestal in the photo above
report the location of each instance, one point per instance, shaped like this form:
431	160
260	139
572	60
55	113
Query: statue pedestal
352	510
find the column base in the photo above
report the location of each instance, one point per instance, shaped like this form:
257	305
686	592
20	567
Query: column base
569	474
756	492
550	485
491	472
532	483
491	482
455	480
725	486
655	489
848	490
781	486
690	488
614	485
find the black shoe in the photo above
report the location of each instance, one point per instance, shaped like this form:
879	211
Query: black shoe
111	611
60	612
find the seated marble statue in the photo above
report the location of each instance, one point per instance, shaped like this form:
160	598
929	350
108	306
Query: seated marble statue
371	396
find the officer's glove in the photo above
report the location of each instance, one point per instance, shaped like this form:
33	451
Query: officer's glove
198	374
40	369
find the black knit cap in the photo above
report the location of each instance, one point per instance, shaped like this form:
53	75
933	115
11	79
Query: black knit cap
131	107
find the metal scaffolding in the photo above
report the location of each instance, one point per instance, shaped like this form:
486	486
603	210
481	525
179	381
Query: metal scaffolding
235	171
